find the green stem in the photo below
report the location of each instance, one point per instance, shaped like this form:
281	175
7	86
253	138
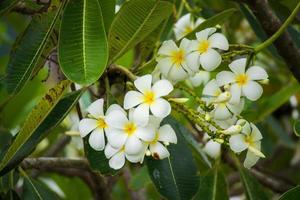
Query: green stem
123	70
269	41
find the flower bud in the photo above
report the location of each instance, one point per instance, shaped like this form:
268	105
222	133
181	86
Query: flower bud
148	153
207	117
223	97
219	140
234	129
179	100
264	81
166	143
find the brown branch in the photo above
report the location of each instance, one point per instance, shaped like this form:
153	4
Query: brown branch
284	44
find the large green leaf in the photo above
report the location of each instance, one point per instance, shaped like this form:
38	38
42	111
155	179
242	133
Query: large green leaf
83	49
55	117
292	194
135	20
97	159
212	21
108	12
28	49
213	185
175	177
6	5
34	120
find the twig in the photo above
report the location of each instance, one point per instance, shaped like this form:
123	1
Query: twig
78	109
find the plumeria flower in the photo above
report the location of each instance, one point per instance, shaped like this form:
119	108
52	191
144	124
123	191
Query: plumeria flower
127	132
211	148
148	98
203	50
117	156
201	77
172	60
95	124
223	109
249	138
185	25
164	135
243	83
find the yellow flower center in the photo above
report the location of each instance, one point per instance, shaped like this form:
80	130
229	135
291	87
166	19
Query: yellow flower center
148	97
187	30
203	46
241	79
101	123
249	140
154	141
177	57
130	128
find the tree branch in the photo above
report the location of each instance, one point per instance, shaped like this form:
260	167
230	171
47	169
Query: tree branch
284	44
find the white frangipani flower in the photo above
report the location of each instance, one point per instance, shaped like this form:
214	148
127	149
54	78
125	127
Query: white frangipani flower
249	138
163	136
243	83
223	109
148	98
211	148
203	50
185	25
127	132
95	124
201	77
117	156
172	60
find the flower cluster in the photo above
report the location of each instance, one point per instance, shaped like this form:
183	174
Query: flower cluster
135	133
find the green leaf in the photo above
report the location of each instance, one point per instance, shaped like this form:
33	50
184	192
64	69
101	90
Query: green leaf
108	12
213	185
28	49
135	20
297	128
252	188
34	120
97	159
140	180
269	105
55	117
82	50
175	177
292	194
212	21
6	5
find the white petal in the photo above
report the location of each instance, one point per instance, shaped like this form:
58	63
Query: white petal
159	151
199	21
146	134
252	90
203	35
96	108
141	114
96	139
154	121
236	108
110	151
160	108
211	89
167	134
193	46
225	77
117	161
202	77
255	134
132	99
167	48
246	127
177	74
193	61
116	119
162	88
238	66
116	138
221	112
143	83
184	44
164	65
210	60
187	69
115	107
257	73
237	143
86	126
250	160
235	91
133	145
219	41
212	148
135	158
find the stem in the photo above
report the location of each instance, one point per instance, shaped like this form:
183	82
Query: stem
107	91
123	70
80	116
269	41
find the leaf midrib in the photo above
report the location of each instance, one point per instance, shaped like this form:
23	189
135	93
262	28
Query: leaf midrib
138	30
215	184
83	40
173	177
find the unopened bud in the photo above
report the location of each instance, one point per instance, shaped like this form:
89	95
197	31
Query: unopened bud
219	140
265	81
166	143
179	100
207	117
241	122
148	153
223	97
234	129
226	87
